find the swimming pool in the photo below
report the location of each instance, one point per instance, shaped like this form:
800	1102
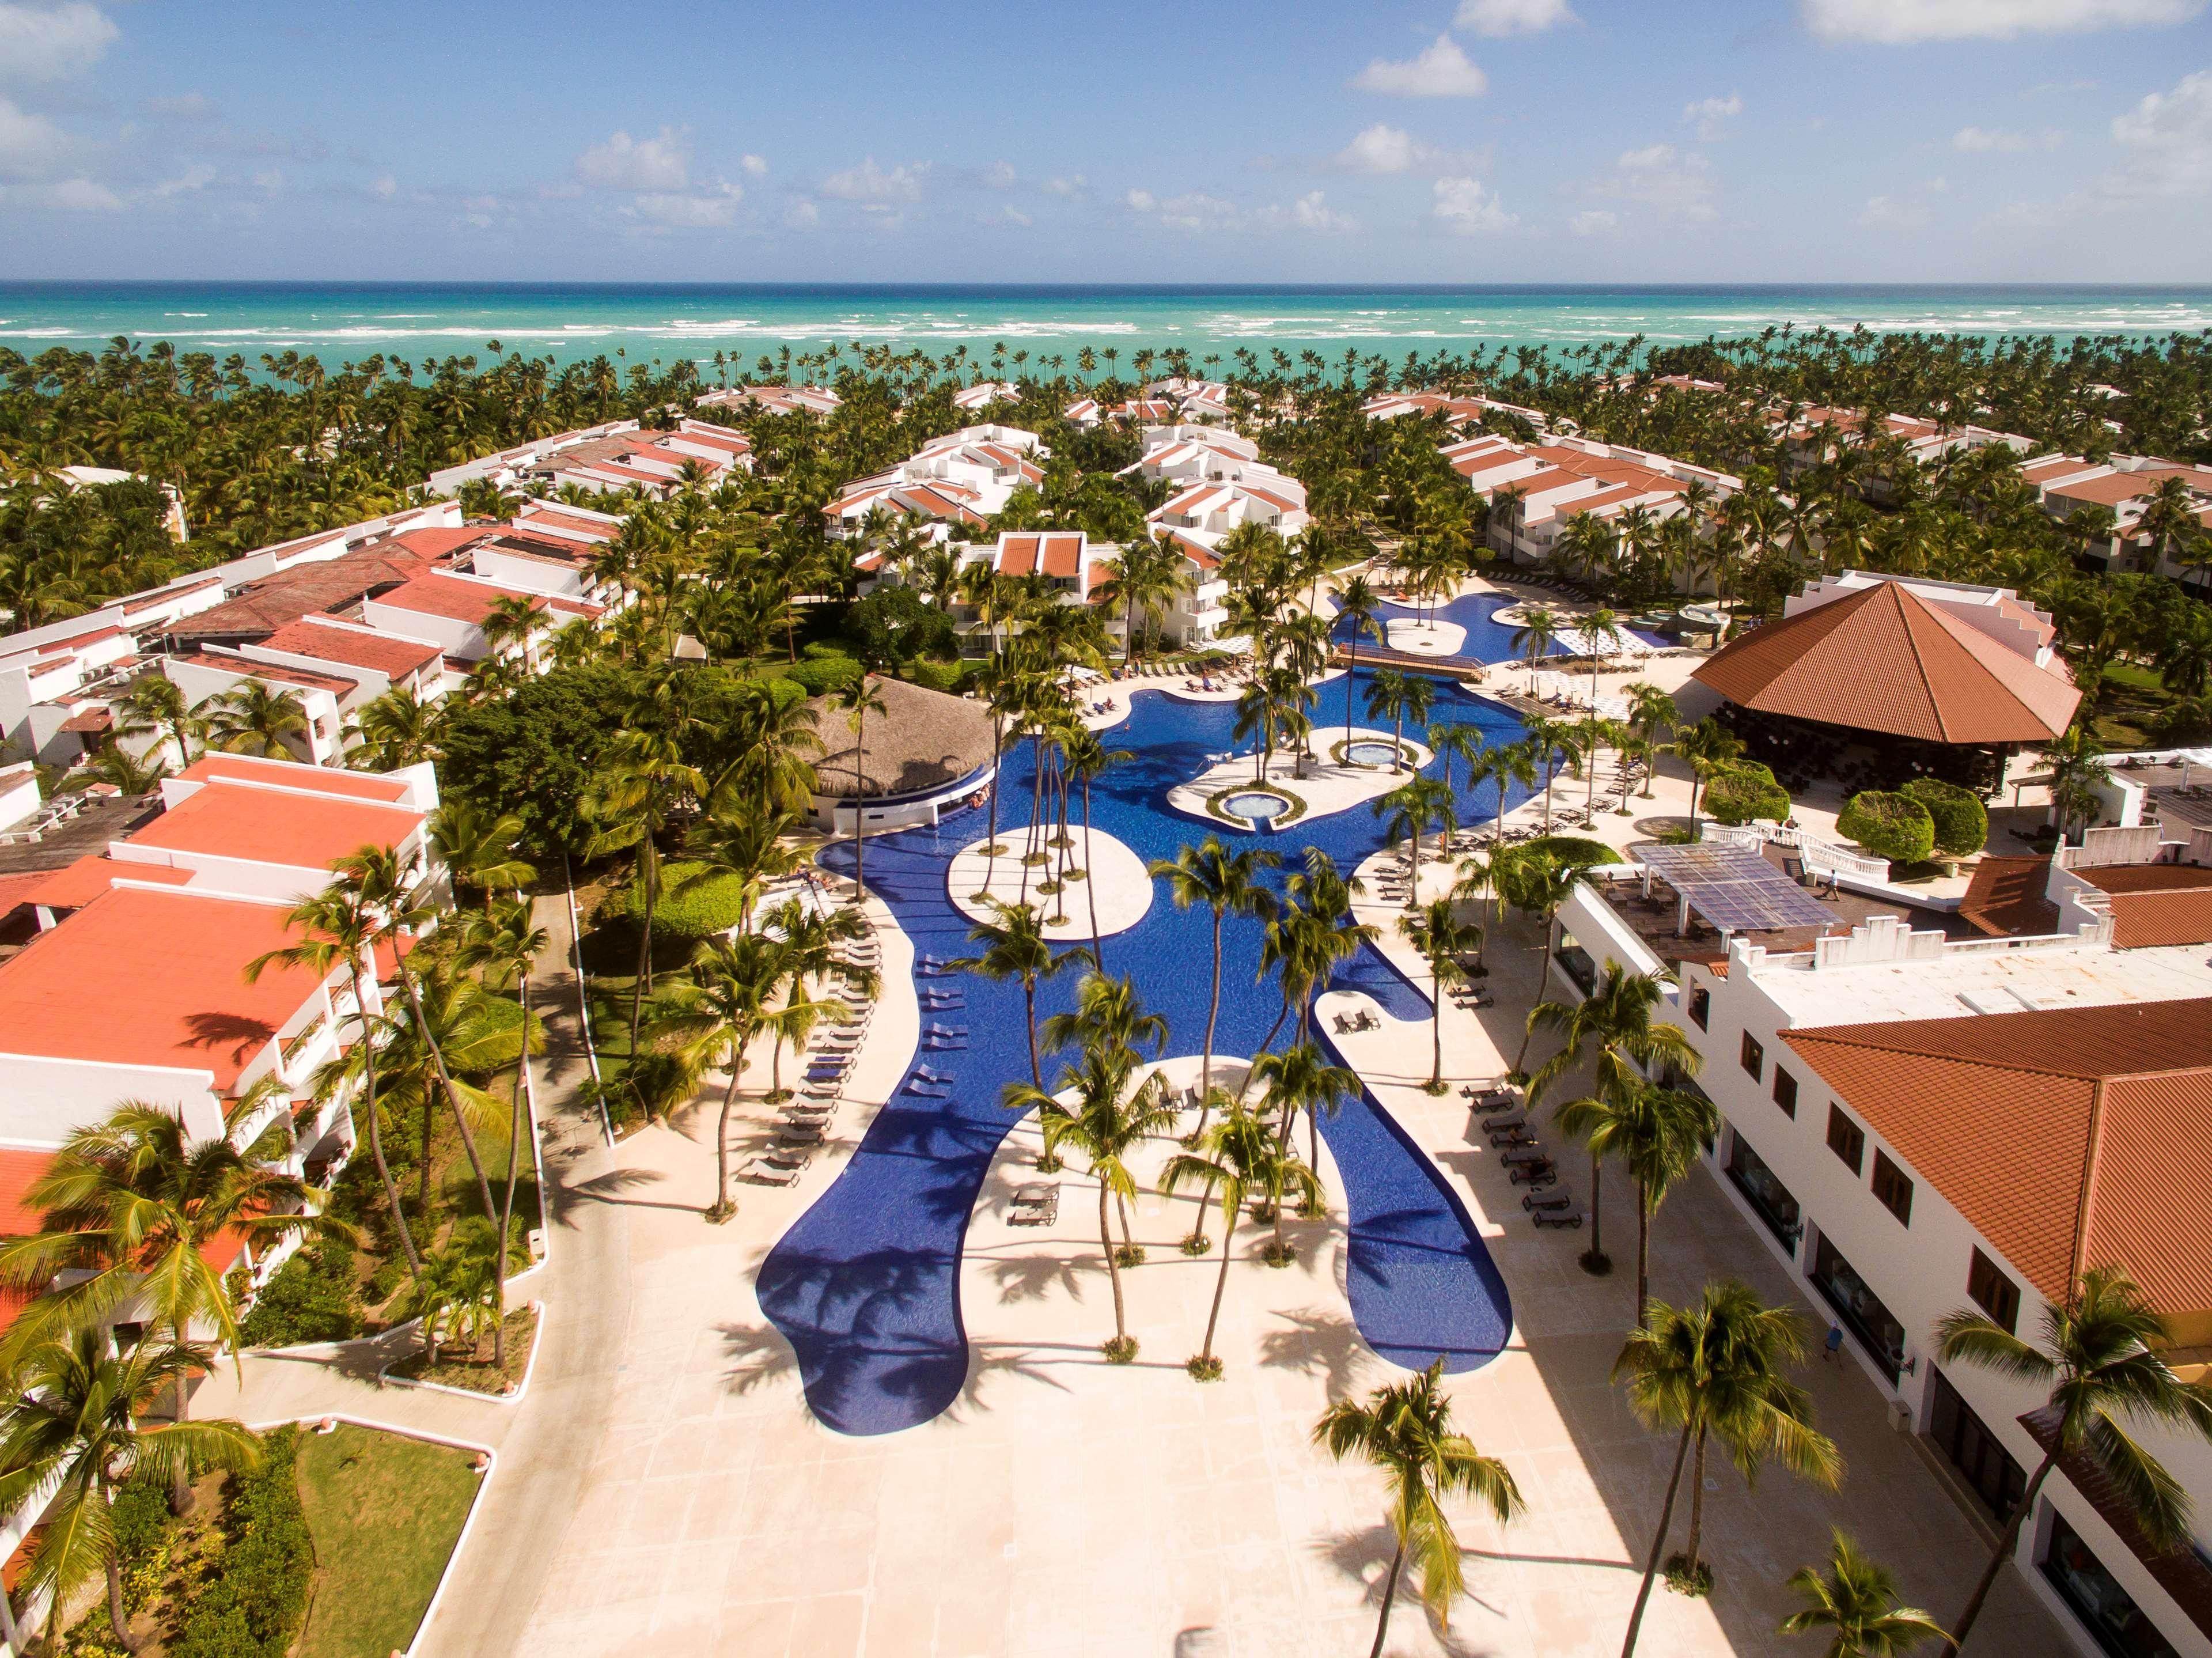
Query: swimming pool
1488	639
866	1283
1256	805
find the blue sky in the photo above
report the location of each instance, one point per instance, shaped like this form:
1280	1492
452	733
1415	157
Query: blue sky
1061	141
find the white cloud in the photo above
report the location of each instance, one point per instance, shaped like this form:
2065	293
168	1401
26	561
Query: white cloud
84	196
1441	71
2168	140
1659	184
51	42
1466	208
869	183
1906	22
1987	140
661	162
713	209
1497	17
1382	149
269	179
31	146
1141	201
1000	175
1597	221
1310	212
755	166
185	106
802	215
190	179
1913	208
1076	185
384	188
1713	114
1014	215
1196	210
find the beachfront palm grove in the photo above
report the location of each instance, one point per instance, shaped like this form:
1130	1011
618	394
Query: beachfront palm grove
688	766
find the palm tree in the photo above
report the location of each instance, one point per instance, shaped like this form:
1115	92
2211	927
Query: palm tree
1228	883
1237	1157
1703	747
342	926
255	717
1084	759
1357	602
1401	697
398	728
721	1011
2078	776
645	778
1106	1121
1854	1604
1553	740
477	847
1406	1430
508	946
1412	807
1015	947
1301	1078
132	1209
1651	711
2100	1362
459	1290
1534	639
1615	1020
155	703
1716	1370
1441	938
72	1426
1465	741
1657	1133
857	700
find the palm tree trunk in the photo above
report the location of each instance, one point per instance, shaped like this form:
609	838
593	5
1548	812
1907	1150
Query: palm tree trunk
1697	1501
1220	1282
1246	1086
1029	1002
1643	1252
2006	1544
1351	673
446	1086
722	1205
1658	1542
991	845
1212	1014
1390	1594
116	1620
1437	1024
1113	1266
1598	1210
1090	878
375	1135
1398	742
648	869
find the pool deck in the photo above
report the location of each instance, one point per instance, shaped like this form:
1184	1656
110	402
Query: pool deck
1327	786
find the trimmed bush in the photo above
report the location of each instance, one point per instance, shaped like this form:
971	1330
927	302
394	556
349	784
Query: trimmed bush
935	676
1744	792
699	910
313	1297
254	1605
822	674
1892	826
1962	823
1571	851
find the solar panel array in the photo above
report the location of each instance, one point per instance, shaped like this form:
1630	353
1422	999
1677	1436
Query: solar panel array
1734	888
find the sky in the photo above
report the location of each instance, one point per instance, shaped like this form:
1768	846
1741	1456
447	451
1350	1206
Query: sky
1086	141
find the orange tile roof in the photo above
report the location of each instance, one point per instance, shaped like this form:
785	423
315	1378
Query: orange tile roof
2156	903
75	885
379	652
453	598
138	977
292	774
300	831
1997	1111
1885	660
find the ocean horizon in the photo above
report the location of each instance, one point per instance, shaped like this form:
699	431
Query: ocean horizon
569	322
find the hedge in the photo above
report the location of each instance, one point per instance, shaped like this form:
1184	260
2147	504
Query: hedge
313	1297
253	1607
1571	851
820	675
1962	823
1744	792
1892	826
699	910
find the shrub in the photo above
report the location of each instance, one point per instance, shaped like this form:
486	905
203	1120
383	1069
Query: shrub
140	1515
822	674
1572	851
1743	792
254	1605
1962	823
1892	826
313	1297
935	676
689	908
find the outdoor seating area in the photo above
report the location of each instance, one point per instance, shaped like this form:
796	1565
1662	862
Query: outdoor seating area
1498	1114
810	1111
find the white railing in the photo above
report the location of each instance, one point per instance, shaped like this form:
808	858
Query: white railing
1818	853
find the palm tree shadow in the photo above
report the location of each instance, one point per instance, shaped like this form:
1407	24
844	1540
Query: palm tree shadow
1317	1342
1365	1558
605	1188
756	1355
984	1364
1027	1278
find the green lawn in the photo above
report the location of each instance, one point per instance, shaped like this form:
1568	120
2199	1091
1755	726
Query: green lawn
385	1512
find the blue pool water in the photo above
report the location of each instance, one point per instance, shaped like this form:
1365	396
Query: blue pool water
866	1283
1488	639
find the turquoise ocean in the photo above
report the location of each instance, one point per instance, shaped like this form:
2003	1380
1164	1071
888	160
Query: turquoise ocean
339	322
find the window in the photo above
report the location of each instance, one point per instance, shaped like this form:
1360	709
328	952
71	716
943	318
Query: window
1986	1466
1846	1139
1754	1056
1769	1197
1993	1292
1701	1005
1859	1309
1893	1187
2095	1597
1785	1091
